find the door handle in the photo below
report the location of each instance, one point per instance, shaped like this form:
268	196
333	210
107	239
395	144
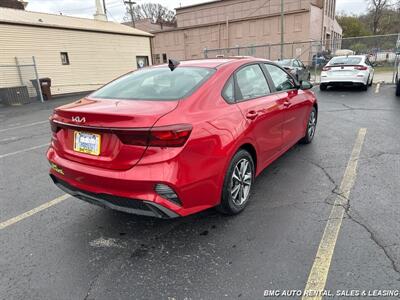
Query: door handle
252	115
286	104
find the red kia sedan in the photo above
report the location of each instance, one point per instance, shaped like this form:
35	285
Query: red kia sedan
173	140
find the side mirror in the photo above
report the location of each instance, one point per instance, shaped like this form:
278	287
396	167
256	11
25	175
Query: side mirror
305	85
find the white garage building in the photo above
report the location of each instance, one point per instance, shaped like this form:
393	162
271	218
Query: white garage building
77	54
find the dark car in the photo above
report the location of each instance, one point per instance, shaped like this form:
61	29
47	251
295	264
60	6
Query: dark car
398	79
296	68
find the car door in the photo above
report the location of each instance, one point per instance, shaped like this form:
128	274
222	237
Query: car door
295	102
370	69
262	110
303	72
297	69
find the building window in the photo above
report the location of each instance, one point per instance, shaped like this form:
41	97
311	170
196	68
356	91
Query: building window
64	58
297	23
253	28
156	59
266	27
164	57
142	61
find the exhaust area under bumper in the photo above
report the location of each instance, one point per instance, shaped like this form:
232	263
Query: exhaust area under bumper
127	205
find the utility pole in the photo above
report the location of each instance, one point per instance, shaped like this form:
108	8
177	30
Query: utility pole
282	29
105	8
130	3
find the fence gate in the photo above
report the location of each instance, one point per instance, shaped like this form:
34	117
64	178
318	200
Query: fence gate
19	82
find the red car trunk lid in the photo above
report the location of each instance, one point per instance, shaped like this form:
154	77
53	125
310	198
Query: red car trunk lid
103	118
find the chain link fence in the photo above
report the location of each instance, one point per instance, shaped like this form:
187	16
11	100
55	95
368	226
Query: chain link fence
19	82
382	50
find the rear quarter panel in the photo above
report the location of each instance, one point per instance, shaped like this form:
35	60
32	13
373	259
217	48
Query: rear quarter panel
218	128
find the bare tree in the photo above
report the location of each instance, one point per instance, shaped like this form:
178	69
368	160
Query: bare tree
376	9
155	12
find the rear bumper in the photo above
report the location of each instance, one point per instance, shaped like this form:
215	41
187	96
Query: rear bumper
127	190
344	80
133	206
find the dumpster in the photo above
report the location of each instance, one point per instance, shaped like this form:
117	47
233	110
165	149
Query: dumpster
45	86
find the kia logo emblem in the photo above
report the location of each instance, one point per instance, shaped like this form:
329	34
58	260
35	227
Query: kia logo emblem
78	119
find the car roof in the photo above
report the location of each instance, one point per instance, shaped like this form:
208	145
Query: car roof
215	62
359	56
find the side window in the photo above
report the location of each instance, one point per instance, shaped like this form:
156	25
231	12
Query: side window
282	80
251	83
64	58
229	92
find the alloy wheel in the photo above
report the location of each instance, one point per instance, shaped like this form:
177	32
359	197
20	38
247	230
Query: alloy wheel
312	124
241	181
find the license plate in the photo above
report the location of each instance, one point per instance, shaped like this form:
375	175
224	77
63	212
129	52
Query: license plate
86	142
342	73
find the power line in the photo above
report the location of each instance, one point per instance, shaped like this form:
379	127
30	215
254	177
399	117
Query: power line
130	3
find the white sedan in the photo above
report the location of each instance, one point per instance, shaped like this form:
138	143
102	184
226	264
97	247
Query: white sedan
347	70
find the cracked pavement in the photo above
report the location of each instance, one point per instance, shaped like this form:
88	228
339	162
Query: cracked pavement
78	251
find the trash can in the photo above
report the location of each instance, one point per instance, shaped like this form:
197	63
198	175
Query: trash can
45	86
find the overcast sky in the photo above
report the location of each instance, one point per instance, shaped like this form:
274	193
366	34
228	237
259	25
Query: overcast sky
116	9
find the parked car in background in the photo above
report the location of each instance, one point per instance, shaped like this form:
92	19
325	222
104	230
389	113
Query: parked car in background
296	68
347	70
398	80
169	141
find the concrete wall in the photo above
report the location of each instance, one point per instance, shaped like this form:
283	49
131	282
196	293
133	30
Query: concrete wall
95	58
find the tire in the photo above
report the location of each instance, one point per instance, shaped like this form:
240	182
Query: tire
364	87
232	204
398	88
311	127
323	87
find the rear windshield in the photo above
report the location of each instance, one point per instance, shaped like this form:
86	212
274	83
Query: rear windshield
155	84
284	62
345	61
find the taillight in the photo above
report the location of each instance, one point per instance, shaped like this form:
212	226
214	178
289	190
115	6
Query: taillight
134	137
361	68
326	68
170	136
164	136
53	126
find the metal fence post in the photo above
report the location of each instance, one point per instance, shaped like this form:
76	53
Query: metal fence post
205	53
19	71
37	79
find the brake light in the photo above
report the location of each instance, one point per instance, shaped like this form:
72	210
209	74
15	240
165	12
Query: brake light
361	68
164	136
53	126
326	68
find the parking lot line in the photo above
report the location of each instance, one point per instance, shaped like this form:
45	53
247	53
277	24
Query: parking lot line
33	211
23	150
320	269
23	126
377	88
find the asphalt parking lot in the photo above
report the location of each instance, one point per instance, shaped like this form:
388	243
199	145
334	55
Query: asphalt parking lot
68	249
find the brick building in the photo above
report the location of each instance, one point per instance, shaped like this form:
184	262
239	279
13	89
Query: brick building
231	23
